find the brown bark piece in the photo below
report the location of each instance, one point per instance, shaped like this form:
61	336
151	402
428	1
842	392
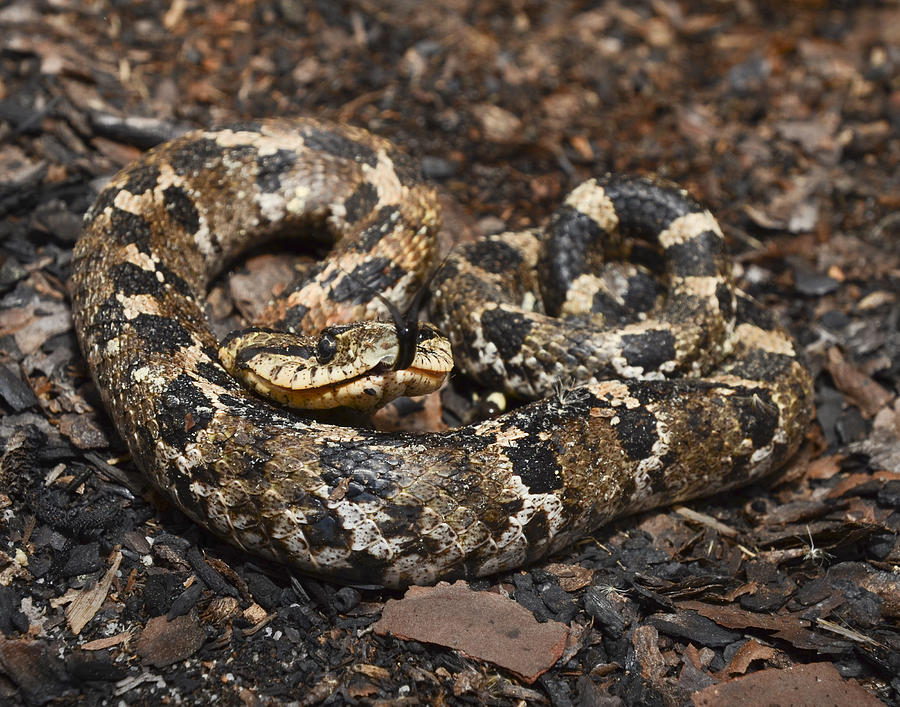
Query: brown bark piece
860	390
165	642
746	654
813	685
481	625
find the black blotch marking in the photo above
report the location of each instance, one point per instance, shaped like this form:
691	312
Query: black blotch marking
375	275
570	234
613	312
361	202
161	334
195	156
658	476
295	350
645	208
254	468
369	472
649	349
537	464
408	170
182	411
757	364
244	356
175	281
758	416
128	228
324	531
142	178
697	256
506	330
536	531
339	146
493	256
496	517
181	486
105	199
642	291
605	304
214	374
129	279
400	519
725	298
293	318
383	223
750	312
637	432
271	167
255	411
107	323
181	208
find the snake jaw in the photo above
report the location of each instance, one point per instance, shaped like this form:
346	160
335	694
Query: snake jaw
355	368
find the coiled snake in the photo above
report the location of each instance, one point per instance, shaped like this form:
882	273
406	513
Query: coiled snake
696	393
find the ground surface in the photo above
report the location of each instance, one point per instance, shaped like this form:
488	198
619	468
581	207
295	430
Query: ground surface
782	117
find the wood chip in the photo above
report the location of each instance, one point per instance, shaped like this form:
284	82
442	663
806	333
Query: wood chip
746	654
814	685
706	520
89	601
481	625
571	577
108	642
861	391
164	642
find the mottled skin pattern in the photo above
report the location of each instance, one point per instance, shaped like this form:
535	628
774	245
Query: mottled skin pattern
706	393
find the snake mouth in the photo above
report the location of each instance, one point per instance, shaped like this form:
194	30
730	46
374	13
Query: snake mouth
364	390
367	392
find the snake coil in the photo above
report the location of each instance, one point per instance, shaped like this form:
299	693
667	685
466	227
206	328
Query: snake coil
693	392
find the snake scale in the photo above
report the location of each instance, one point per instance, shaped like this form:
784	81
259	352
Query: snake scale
696	393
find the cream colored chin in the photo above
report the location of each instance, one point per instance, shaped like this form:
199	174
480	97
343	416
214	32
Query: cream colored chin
365	393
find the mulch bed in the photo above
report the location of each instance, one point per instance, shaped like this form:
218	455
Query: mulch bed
783	117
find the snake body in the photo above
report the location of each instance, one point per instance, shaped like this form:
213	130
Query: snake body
697	393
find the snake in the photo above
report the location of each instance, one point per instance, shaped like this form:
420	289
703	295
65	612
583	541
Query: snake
644	376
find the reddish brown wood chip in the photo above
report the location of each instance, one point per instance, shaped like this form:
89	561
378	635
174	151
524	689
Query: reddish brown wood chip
824	467
746	654
859	388
571	577
813	685
481	625
165	642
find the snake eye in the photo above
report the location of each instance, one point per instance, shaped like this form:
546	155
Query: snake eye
326	347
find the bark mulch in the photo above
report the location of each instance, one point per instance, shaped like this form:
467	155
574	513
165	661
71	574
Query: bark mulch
783	117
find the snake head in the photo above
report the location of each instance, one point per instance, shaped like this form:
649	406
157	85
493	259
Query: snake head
348	365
